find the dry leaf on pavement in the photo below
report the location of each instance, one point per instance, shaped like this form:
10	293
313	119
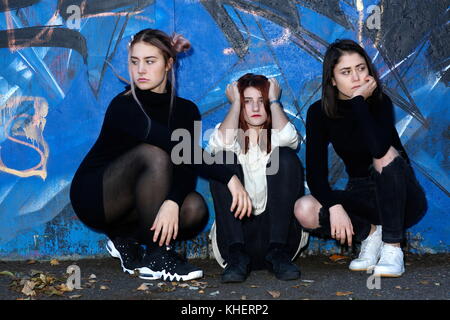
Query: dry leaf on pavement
28	288
142	287
274	294
54	262
337	257
343	293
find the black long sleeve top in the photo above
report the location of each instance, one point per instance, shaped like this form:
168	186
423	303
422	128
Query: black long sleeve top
362	133
126	125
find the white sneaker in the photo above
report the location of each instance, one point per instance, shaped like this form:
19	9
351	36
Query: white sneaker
370	252
391	262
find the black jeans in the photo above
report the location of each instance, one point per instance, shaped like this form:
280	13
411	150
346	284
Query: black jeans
393	199
277	224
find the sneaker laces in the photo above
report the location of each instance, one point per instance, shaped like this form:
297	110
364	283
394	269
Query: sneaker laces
174	256
368	244
387	253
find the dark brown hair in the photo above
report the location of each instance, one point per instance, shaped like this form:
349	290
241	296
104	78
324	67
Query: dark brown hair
332	56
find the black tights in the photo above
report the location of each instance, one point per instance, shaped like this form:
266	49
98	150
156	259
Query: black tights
134	188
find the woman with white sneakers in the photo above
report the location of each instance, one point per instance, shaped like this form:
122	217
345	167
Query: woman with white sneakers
382	198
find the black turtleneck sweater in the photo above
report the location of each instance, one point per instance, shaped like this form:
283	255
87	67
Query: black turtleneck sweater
361	133
126	125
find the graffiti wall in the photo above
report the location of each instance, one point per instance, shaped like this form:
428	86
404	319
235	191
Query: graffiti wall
61	63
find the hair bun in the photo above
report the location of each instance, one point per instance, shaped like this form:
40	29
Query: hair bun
180	43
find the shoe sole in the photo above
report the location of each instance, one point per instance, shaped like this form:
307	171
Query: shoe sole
388	275
148	274
364	269
289	277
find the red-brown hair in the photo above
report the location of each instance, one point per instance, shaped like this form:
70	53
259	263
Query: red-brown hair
261	83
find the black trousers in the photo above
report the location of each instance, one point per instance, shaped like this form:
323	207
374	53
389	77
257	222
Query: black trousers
277	224
393	199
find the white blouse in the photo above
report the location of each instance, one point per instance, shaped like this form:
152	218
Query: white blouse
254	162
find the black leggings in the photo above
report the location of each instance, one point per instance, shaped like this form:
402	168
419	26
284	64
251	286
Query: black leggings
134	187
392	198
277	224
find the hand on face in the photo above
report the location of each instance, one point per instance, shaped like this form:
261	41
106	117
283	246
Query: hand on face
366	90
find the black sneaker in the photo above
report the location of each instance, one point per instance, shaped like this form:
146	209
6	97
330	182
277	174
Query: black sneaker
164	263
238	267
127	250
279	263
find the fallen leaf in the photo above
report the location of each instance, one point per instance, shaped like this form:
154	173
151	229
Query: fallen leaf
274	294
244	298
104	288
75	296
31	261
28	288
183	285
201	291
34	272
424	282
214	293
143	287
337	257
254	286
398	287
7	273
64	288
50	291
437	284
54	262
92	276
343	293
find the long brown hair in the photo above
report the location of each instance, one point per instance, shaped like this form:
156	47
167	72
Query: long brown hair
261	83
169	46
332	56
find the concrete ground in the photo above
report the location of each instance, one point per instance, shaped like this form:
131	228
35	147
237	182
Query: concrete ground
427	277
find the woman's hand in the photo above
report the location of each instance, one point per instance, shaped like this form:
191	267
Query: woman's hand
241	199
341	225
166	223
274	89
367	88
232	93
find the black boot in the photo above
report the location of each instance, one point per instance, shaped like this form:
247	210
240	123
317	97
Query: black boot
238	265
279	263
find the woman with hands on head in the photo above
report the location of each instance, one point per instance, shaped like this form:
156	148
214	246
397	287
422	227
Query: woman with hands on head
382	197
257	142
128	185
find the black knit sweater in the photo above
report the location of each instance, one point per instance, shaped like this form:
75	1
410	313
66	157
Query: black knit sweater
126	125
362	133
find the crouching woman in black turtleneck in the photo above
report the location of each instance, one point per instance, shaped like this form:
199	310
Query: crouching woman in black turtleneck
382	197
130	187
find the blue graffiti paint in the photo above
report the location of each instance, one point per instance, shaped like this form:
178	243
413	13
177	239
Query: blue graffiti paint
36	220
